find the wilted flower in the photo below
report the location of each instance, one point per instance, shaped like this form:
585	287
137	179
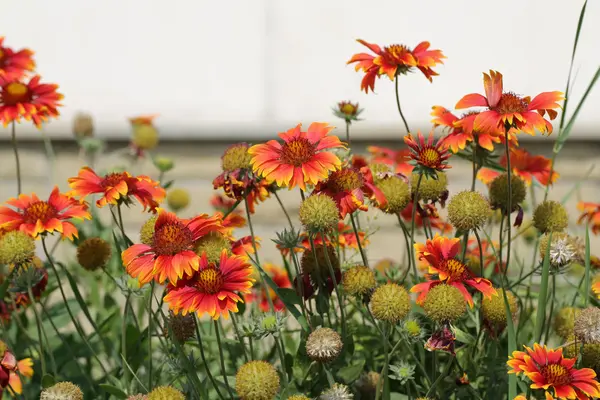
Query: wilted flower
337	392
587	325
441	340
324	345
93	253
62	391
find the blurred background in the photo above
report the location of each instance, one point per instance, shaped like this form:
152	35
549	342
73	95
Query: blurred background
249	69
220	72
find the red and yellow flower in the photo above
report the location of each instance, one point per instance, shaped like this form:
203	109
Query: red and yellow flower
524	165
427	154
461	130
590	214
398	160
15	64
35	217
549	369
171	254
211	290
596	286
440	254
281	279
239	184
31	100
24	369
117	187
223	205
394	60
509	110
350	188
302	157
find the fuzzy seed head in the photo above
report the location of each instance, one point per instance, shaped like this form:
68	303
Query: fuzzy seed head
587	325
550	216
319	213
444	303
337	392
311	266
324	345
359	280
493	309
165	393
564	248
298	397
430	189
16	247
236	157
367	385
182	326
145	136
147	231
379	171
213	245
396	192
390	303
62	391
257	380
499	192
590	354
138	396
93	253
564	321
468	210
178	199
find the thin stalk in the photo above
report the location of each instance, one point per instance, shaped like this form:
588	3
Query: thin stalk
239	335
39	326
384	382
508	201
222	360
251	348
412	225
552	298
282	360
150	316
363	254
400	108
348	133
480	251
287	216
17	161
474	168
300	287
203	356
441	376
126	376
337	291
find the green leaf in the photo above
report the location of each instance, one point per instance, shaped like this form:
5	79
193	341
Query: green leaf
168	184
462	336
47	381
112	390
351	373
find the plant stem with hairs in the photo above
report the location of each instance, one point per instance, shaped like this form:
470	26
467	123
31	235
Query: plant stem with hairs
400	108
222	359
363	254
17	161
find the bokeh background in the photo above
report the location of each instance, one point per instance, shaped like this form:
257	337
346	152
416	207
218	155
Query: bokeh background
220	72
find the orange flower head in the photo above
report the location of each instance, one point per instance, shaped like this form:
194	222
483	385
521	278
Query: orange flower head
397	159
24	369
596	286
505	110
302	157
240	184
395	60
440	254
590	214
171	254
211	290
427	154
349	187
15	64
143	119
549	369
524	165
117	187
37	217
347	111
31	100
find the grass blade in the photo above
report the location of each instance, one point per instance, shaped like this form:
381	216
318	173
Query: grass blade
588	265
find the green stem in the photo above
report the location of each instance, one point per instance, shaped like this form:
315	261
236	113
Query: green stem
400	108
287	216
348	133
480	251
150	316
203	356
282	360
337	291
508	202
384	381
441	376
552	299
239	335
413	260
222	360
363	254
39	326
126	376
17	161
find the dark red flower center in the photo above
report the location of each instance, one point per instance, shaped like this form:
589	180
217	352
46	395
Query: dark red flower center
1	57
113	179
345	180
297	151
555	374
172	238
456	270
395	53
39	210
510	103
210	280
15	93
429	157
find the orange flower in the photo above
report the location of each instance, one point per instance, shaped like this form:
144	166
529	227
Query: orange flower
143	119
211	289
525	166
234	219
397	159
507	109
34	216
591	214
596	286
281	279
117	187
24	368
33	101
427	154
171	255
395	60
300	159
440	254
461	130
13	65
239	183
547	368
349	188
486	249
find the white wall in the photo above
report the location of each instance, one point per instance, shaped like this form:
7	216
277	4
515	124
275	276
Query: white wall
255	67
